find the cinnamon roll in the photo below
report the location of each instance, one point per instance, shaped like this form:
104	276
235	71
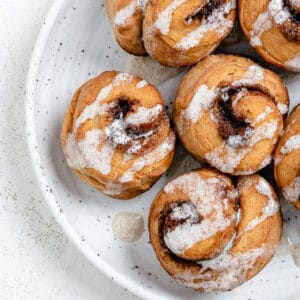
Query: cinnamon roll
211	235
273	29
181	32
126	17
287	159
229	113
116	134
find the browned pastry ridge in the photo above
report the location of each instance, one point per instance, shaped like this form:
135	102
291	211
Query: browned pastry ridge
273	29
116	134
229	113
211	235
287	159
174	32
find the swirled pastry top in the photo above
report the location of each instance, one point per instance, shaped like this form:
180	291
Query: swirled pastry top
116	130
181	32
211	235
228	112
287	159
270	23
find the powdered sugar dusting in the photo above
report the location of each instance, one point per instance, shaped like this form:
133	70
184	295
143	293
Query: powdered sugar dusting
216	21
206	195
144	115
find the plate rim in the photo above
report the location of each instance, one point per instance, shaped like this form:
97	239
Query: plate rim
48	23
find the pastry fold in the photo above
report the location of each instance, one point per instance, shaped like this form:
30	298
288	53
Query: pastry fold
273	29
212	235
229	113
116	134
126	17
287	159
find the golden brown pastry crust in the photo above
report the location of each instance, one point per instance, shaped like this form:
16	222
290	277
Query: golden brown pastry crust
179	33
116	134
126	17
233	231
287	159
272	28
229	113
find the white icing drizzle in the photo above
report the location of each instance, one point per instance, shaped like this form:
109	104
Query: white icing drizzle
293	64
163	22
266	162
85	154
142	84
254	75
93	151
275	12
283	108
271	208
263	115
204	96
293	143
144	115
226	158
116	131
232	269
206	195
216	21
123	15
149	158
292	191
239	96
200	102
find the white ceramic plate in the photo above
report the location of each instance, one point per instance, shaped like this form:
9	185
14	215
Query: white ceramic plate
76	44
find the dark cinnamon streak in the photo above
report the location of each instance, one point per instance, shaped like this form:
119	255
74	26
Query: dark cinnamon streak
230	124
161	226
206	10
291	28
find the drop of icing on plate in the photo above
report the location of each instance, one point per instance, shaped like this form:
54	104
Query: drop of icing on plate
128	227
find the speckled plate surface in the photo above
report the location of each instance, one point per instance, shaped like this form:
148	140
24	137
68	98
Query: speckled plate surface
76	44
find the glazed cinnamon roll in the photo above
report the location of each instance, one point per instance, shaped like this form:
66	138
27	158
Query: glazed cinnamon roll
116	134
211	235
273	29
126	17
229	113
181	32
287	159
